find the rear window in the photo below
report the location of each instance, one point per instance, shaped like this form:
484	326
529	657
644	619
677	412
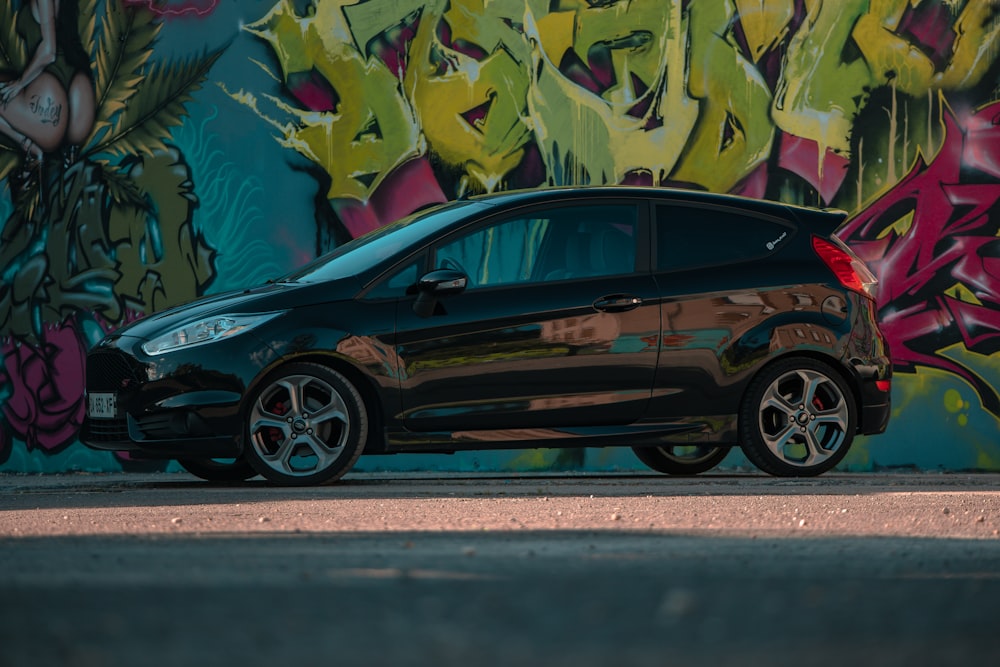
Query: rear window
689	237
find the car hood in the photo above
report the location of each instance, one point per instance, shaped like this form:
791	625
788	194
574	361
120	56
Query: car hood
263	299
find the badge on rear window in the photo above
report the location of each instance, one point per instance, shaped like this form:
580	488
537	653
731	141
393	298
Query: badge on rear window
771	244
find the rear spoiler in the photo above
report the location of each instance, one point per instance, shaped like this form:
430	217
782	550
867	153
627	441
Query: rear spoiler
822	221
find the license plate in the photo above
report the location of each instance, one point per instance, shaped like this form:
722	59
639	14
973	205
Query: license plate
102	406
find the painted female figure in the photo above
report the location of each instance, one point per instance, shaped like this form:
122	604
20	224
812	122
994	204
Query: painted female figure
51	102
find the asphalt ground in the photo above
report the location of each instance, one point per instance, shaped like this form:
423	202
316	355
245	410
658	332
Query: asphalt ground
490	569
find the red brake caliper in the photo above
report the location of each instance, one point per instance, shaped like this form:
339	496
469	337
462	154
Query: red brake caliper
274	434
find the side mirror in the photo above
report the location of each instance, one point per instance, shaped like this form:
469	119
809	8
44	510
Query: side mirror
437	284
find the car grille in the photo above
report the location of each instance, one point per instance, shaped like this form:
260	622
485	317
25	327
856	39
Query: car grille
112	371
107	430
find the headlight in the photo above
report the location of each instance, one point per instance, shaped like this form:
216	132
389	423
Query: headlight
205	331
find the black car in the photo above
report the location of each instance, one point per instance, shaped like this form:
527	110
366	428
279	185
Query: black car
677	323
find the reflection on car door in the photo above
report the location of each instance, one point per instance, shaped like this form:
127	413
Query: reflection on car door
558	327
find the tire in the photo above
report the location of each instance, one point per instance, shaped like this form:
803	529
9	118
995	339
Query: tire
219	470
305	425
798	418
681	459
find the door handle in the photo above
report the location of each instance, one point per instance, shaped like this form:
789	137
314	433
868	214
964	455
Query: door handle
617	303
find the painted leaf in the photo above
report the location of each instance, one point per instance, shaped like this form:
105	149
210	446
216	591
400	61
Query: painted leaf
8	161
13	54
126	38
145	122
85	25
121	186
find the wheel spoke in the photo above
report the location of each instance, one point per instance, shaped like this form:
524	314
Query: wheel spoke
815	452
810	383
325	455
335	410
266	415
266	420
295	394
291	447
775	400
776	442
282	455
836	417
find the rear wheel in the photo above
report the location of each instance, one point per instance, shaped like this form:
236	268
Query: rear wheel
798	418
681	459
219	470
305	425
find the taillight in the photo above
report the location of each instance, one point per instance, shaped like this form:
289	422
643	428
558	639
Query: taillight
850	271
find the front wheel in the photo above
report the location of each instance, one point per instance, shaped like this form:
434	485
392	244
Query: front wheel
798	418
306	425
681	459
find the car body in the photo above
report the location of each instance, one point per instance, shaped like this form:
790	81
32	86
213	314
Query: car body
678	323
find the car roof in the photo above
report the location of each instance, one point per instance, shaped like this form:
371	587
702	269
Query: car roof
664	194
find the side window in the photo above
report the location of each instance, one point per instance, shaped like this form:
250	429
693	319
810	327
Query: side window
394	285
691	237
500	254
561	243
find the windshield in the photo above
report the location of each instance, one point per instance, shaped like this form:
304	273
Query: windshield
380	244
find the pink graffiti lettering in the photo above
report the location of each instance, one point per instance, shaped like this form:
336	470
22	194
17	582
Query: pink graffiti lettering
939	273
175	7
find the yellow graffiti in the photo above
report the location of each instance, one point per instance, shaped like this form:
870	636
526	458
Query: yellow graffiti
371	130
765	23
821	90
816	97
470	105
601	138
953	402
890	55
975	50
733	132
656	91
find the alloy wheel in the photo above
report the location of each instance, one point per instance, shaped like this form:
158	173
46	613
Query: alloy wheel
802	421
305	427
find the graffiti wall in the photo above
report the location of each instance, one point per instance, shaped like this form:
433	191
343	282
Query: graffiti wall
152	151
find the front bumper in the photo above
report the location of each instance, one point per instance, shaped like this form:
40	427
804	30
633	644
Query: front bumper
180	436
170	406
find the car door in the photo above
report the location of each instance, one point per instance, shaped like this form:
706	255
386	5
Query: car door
718	286
558	325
